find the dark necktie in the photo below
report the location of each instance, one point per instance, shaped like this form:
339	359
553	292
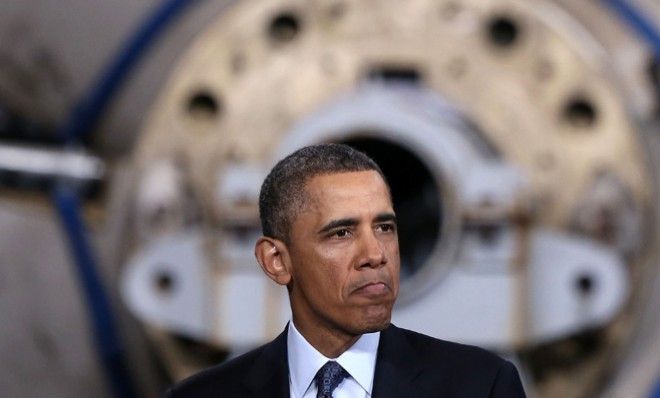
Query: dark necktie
328	378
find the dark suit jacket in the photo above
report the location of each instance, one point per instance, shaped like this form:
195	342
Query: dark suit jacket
408	364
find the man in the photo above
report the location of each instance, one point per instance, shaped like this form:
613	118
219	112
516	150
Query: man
330	237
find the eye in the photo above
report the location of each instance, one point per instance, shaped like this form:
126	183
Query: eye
341	233
386	227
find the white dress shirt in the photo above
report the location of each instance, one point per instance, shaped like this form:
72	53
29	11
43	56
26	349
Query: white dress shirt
305	361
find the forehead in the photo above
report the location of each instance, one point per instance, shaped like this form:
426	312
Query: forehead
348	192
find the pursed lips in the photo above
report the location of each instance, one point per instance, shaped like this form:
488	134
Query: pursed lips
373	288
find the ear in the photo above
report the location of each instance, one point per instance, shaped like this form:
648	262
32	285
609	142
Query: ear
272	256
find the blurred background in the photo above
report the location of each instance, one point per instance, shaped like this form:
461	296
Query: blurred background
521	140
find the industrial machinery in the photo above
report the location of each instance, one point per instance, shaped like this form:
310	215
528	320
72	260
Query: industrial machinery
521	140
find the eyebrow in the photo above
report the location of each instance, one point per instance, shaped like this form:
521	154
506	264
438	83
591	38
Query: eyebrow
342	222
382	217
351	222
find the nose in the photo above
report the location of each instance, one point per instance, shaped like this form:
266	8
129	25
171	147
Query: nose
372	251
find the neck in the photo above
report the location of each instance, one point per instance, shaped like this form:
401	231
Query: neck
329	342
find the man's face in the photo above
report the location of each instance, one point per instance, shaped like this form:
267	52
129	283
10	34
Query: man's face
344	254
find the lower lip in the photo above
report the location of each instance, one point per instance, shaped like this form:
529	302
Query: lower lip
374	290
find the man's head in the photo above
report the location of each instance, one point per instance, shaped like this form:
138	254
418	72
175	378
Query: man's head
330	236
282	194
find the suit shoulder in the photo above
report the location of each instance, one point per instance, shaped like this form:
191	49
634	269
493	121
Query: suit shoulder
221	377
453	369
458	355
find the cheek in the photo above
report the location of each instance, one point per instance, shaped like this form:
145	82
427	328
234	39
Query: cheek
392	251
324	272
336	258
336	265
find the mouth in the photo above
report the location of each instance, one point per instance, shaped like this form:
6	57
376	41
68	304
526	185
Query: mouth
373	290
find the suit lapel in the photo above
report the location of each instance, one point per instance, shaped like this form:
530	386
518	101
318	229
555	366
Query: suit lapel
269	375
396	366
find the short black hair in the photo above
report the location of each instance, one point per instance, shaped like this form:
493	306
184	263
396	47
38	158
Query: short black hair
283	191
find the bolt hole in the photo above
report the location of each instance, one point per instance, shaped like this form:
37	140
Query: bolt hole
164	282
580	112
503	31
585	284
284	28
394	74
489	234
204	106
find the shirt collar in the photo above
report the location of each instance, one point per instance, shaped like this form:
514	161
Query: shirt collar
304	360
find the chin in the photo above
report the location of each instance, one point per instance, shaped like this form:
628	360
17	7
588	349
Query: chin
376	328
375	321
